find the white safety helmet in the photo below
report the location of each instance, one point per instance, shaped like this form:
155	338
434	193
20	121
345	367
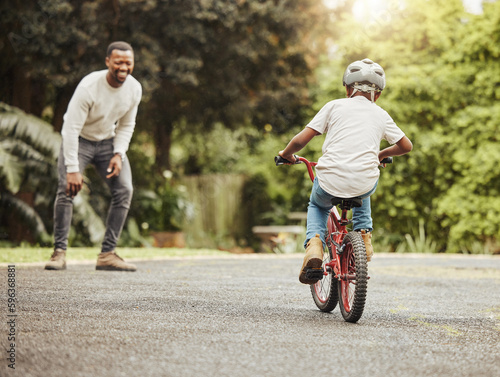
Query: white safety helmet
366	76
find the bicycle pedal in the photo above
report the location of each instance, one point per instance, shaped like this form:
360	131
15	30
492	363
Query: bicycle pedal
314	273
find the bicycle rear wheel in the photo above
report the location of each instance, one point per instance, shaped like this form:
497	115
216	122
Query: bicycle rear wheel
353	282
325	292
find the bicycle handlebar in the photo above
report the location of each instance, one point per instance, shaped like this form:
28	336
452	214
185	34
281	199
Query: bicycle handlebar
281	161
387	160
278	160
298	160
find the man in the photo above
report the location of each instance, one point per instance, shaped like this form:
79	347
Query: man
97	129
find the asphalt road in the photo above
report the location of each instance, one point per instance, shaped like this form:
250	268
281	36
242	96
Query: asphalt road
249	316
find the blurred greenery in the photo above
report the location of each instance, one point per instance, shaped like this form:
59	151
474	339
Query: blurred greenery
443	90
228	83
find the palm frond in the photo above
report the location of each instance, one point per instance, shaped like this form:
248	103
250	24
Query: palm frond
26	214
11	170
16	124
25	151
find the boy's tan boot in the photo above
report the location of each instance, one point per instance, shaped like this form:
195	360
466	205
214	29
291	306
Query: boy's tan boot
57	260
367	237
110	261
313	259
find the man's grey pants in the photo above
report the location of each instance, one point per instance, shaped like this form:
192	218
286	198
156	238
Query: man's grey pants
98	153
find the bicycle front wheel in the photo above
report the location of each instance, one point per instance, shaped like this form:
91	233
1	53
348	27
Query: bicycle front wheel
352	286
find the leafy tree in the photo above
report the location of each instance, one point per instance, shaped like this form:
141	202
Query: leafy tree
442	71
47	47
229	62
28	180
27	145
470	208
199	61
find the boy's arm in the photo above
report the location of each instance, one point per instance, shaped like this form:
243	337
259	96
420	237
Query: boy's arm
298	142
402	147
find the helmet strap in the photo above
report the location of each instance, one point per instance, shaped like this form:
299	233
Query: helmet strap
372	89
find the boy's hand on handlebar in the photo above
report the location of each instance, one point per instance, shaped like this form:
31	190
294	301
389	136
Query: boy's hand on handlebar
385	161
290	158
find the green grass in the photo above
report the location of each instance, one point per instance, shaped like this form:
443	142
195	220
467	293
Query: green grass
39	254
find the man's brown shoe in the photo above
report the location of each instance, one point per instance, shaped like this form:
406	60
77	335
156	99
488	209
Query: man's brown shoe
57	260
110	261
312	260
367	237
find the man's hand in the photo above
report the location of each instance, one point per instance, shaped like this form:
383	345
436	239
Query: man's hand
74	183
115	166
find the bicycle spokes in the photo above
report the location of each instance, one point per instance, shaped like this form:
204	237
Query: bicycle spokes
325	292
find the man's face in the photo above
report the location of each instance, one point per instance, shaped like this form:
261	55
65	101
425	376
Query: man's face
120	64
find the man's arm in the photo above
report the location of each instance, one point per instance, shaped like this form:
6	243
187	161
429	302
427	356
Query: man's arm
74	119
123	134
126	125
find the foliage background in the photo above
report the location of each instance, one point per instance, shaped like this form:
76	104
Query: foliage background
228	83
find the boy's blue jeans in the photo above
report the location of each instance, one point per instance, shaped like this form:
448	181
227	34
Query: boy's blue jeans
98	153
320	203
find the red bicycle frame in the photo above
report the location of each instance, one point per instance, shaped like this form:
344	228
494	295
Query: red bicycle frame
333	239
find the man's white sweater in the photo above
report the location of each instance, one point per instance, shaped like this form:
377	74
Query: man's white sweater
97	112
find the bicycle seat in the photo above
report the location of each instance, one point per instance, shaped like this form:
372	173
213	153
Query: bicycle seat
347	203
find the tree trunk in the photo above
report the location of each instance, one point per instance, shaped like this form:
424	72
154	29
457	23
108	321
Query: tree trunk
63	97
163	142
38	95
21	96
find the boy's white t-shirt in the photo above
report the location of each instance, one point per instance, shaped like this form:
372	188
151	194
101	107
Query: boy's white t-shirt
97	112
354	128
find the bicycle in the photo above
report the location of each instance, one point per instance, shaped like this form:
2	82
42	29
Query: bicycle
343	276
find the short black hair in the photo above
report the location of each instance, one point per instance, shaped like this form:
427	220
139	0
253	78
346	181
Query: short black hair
123	46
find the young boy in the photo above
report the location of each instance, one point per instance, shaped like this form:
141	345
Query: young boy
354	127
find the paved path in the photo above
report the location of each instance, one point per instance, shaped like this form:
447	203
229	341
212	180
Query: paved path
249	316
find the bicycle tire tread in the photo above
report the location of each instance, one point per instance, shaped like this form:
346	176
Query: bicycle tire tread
359	299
